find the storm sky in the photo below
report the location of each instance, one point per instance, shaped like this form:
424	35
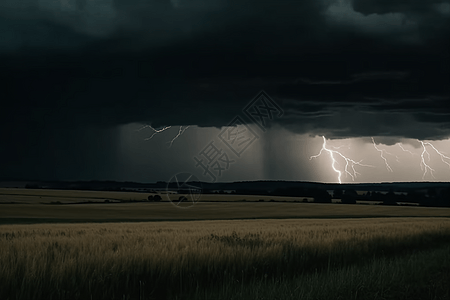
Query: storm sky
81	77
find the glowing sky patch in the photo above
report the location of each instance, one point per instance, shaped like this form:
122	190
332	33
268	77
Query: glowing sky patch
348	162
409	160
324	160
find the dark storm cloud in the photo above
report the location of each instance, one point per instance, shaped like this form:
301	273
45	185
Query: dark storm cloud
156	62
83	64
368	7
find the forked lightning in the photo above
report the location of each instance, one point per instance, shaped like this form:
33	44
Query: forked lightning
348	161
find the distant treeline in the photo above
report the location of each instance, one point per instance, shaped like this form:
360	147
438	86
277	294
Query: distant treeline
432	196
428	197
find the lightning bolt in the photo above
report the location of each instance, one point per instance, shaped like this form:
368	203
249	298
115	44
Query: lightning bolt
180	132
382	155
348	161
337	148
155	131
440	154
424	165
405	150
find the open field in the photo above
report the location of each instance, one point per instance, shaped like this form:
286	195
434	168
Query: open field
35	196
31	196
33	206
382	258
213	250
44	196
38	213
47	196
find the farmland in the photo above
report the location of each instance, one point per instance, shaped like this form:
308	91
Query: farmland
40	206
219	250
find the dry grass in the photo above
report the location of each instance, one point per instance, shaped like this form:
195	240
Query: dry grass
168	259
414	276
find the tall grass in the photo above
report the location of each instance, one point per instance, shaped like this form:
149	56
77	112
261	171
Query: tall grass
171	259
420	275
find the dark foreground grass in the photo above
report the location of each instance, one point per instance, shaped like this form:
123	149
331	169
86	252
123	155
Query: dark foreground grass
421	275
391	258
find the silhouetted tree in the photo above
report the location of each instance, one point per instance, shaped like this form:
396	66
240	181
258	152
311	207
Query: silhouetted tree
417	197
444	197
349	196
321	196
32	186
291	192
439	199
337	193
431	192
390	198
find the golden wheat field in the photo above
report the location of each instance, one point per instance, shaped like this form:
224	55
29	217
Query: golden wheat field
239	259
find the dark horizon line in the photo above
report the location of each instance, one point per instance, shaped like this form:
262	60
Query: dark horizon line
222	182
